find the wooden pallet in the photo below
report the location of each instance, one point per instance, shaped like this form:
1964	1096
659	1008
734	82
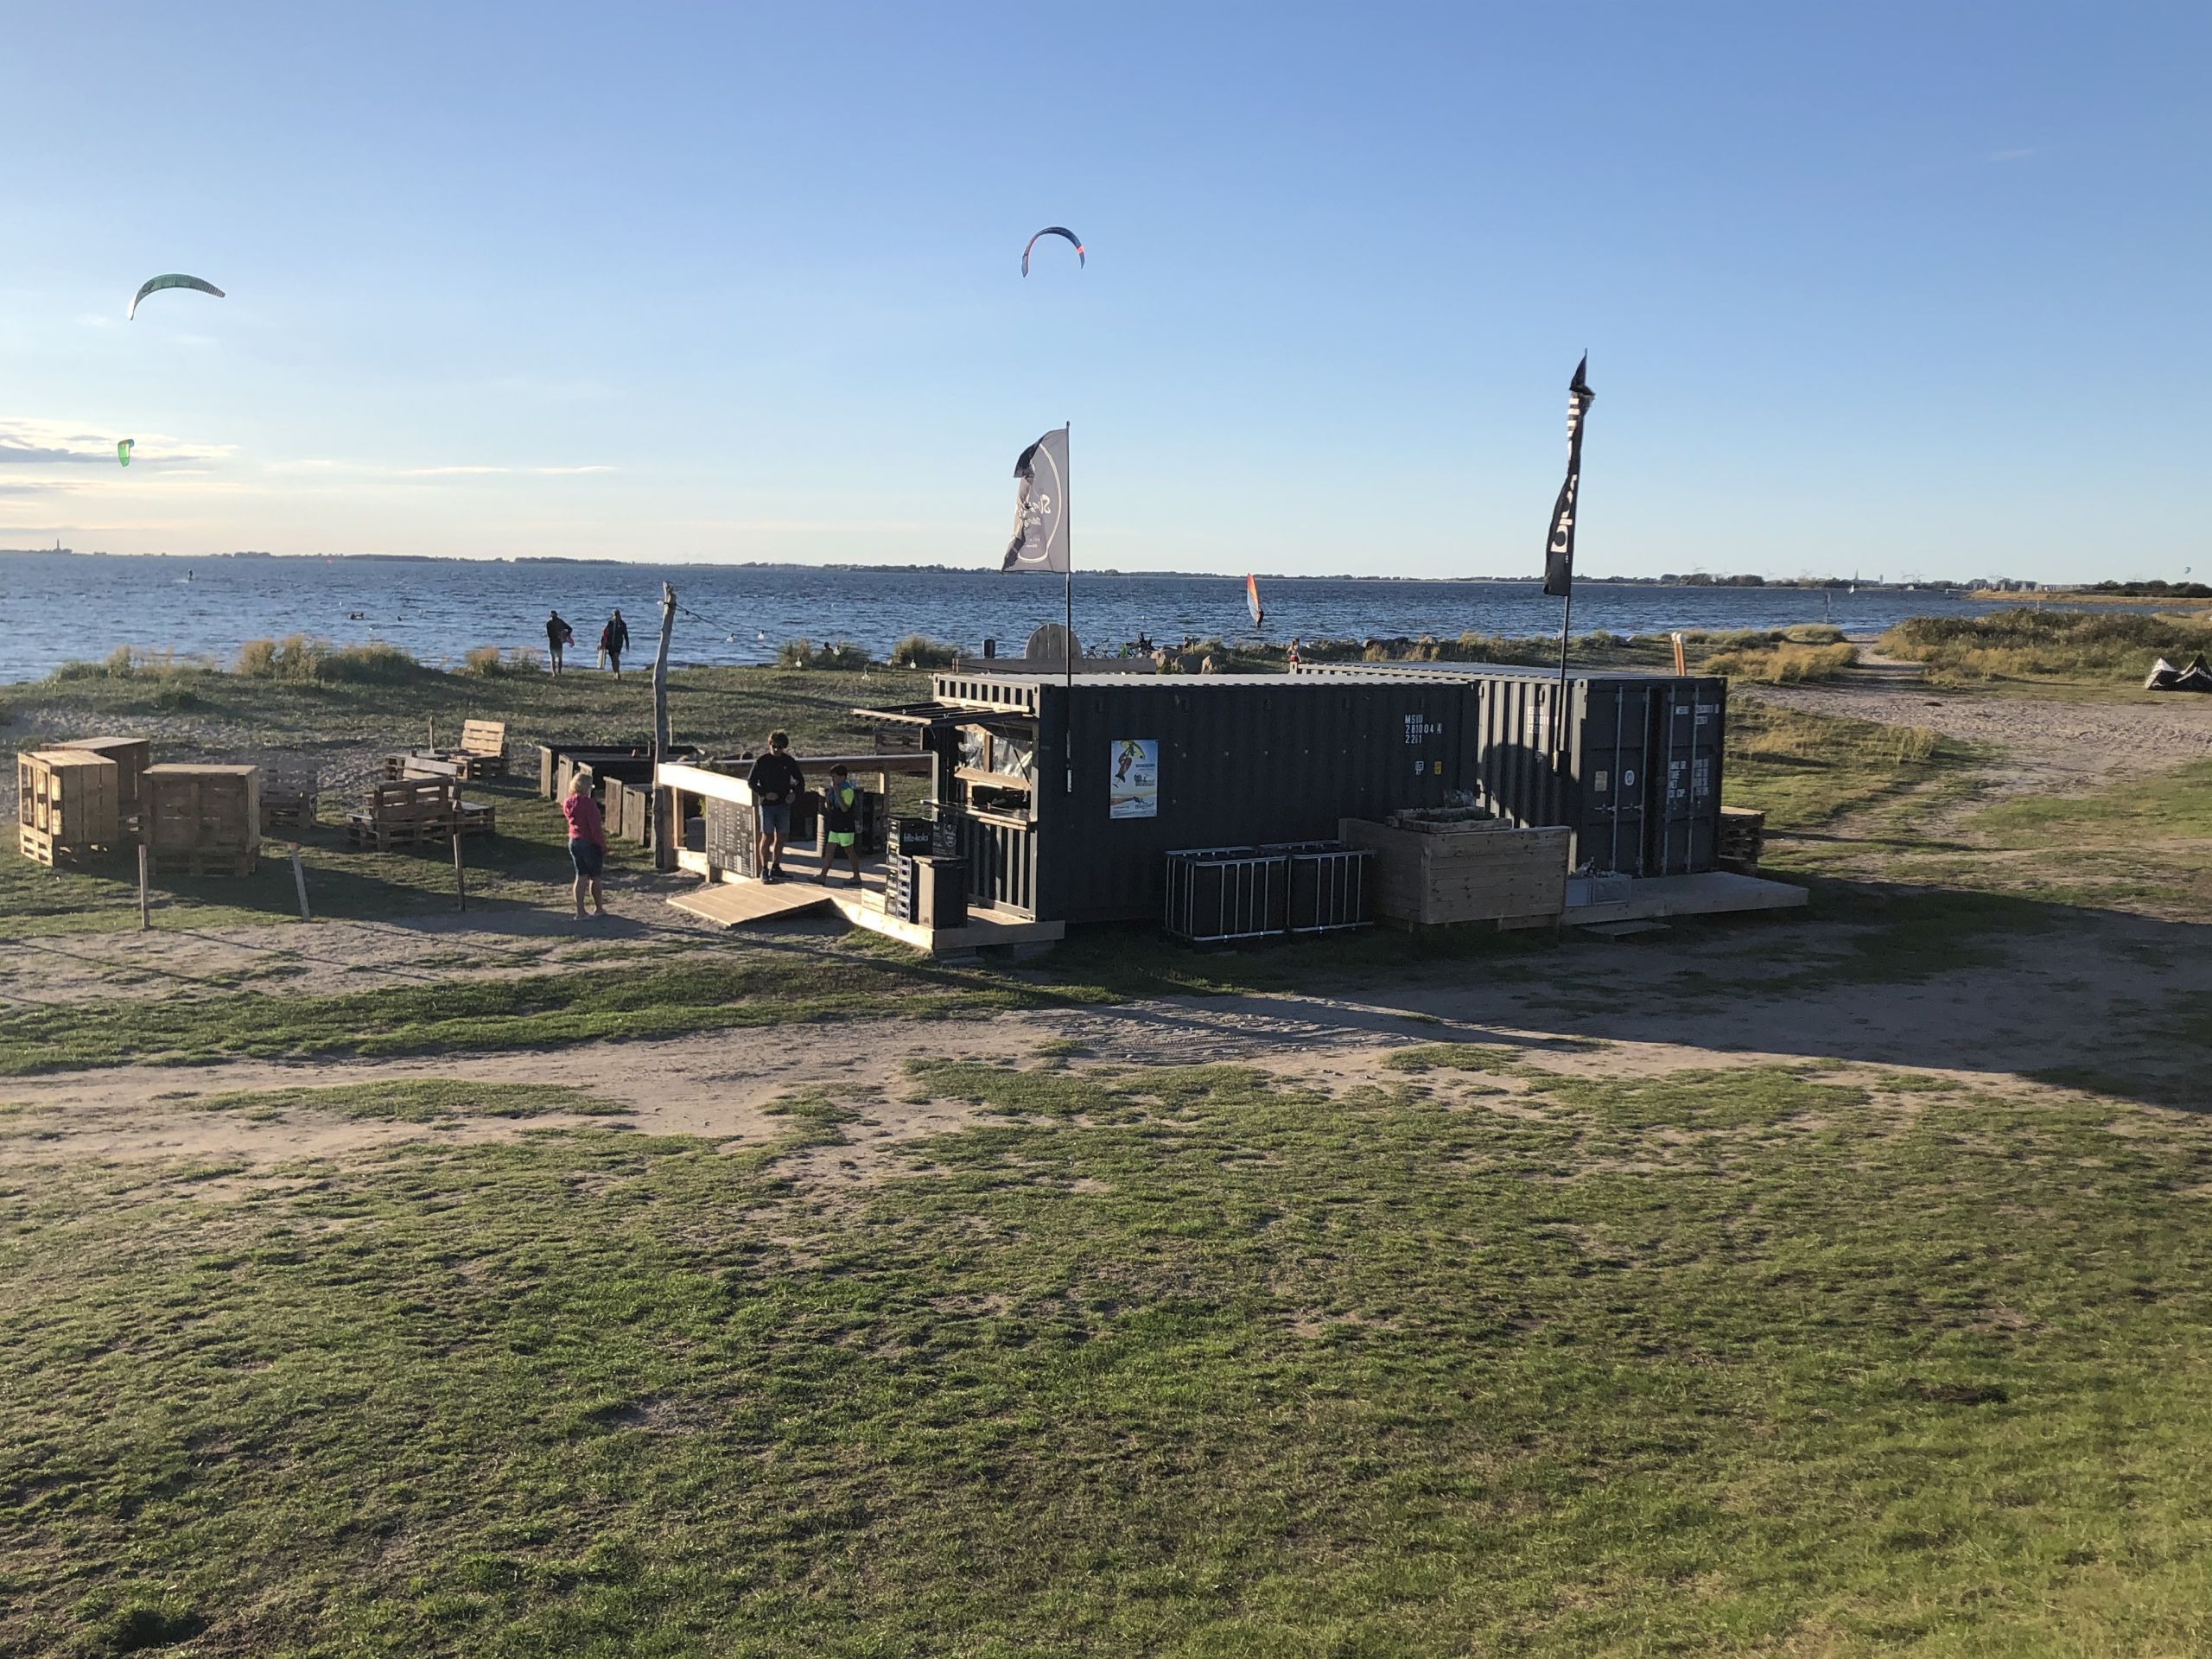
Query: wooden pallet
41	847
288	803
1742	840
364	831
203	863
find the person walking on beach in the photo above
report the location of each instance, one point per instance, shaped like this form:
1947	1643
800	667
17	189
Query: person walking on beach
586	842
557	634
841	806
776	784
613	640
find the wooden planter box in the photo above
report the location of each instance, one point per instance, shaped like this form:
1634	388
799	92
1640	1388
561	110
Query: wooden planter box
201	820
65	803
131	755
1478	872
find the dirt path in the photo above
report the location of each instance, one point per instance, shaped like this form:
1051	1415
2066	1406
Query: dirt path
2097	999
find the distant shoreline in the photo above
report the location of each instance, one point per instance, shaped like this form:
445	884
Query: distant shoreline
1783	584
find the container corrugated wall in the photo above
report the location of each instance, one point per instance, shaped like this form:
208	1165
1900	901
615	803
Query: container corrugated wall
1639	785
1242	761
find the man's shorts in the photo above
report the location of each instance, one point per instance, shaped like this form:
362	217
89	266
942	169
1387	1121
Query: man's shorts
775	818
587	859
838	837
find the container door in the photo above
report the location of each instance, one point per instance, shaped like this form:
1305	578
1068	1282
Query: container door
1685	826
1615	777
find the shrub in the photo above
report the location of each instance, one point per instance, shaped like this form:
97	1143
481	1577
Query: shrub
490	662
1783	664
121	664
298	658
375	663
920	650
838	654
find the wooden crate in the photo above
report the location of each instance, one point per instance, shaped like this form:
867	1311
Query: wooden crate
65	803
1475	872
131	755
201	820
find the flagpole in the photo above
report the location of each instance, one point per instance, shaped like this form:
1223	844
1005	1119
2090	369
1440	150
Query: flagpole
1559	714
1067	704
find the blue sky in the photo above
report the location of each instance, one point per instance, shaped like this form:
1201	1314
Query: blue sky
1898	289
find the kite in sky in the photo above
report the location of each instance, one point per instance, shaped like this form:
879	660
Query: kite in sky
174	279
123	450
1074	241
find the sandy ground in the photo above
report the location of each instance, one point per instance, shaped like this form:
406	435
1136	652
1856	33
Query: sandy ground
2047	747
2098	998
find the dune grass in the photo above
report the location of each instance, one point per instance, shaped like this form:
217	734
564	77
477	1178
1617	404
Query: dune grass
1178	1361
2112	649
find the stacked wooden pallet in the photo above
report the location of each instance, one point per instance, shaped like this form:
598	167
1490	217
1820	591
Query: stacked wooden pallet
1743	840
65	804
201	820
1432	873
417	812
131	755
288	801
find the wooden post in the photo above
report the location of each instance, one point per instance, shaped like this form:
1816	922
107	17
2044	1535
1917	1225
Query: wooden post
434	733
145	914
460	876
663	837
300	883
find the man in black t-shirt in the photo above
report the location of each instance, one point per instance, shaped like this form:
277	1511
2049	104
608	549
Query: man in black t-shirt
776	784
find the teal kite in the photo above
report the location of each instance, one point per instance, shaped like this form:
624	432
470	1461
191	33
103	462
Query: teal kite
174	279
123	450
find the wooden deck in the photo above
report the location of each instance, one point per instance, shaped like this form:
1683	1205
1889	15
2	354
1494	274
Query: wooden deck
737	900
1714	893
985	927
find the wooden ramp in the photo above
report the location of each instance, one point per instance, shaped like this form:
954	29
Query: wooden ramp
733	903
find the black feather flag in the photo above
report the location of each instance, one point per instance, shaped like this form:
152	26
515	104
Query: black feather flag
1559	552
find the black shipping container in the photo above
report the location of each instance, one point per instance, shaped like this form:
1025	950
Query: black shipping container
1638	777
1162	764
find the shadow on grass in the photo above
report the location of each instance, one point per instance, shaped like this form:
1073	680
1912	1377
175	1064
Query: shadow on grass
1869	973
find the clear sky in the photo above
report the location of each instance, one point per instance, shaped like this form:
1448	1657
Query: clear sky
1901	288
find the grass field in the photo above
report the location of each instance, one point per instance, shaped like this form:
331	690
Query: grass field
1178	1361
1547	1342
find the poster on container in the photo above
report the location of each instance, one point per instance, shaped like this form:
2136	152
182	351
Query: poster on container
1133	792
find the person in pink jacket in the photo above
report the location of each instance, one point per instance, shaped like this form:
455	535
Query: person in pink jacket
586	842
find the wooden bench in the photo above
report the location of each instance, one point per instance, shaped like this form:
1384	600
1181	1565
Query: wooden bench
482	753
417	812
484	744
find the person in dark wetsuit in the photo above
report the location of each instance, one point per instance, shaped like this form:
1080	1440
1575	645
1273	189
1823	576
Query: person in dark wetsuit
557	634
776	784
613	640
